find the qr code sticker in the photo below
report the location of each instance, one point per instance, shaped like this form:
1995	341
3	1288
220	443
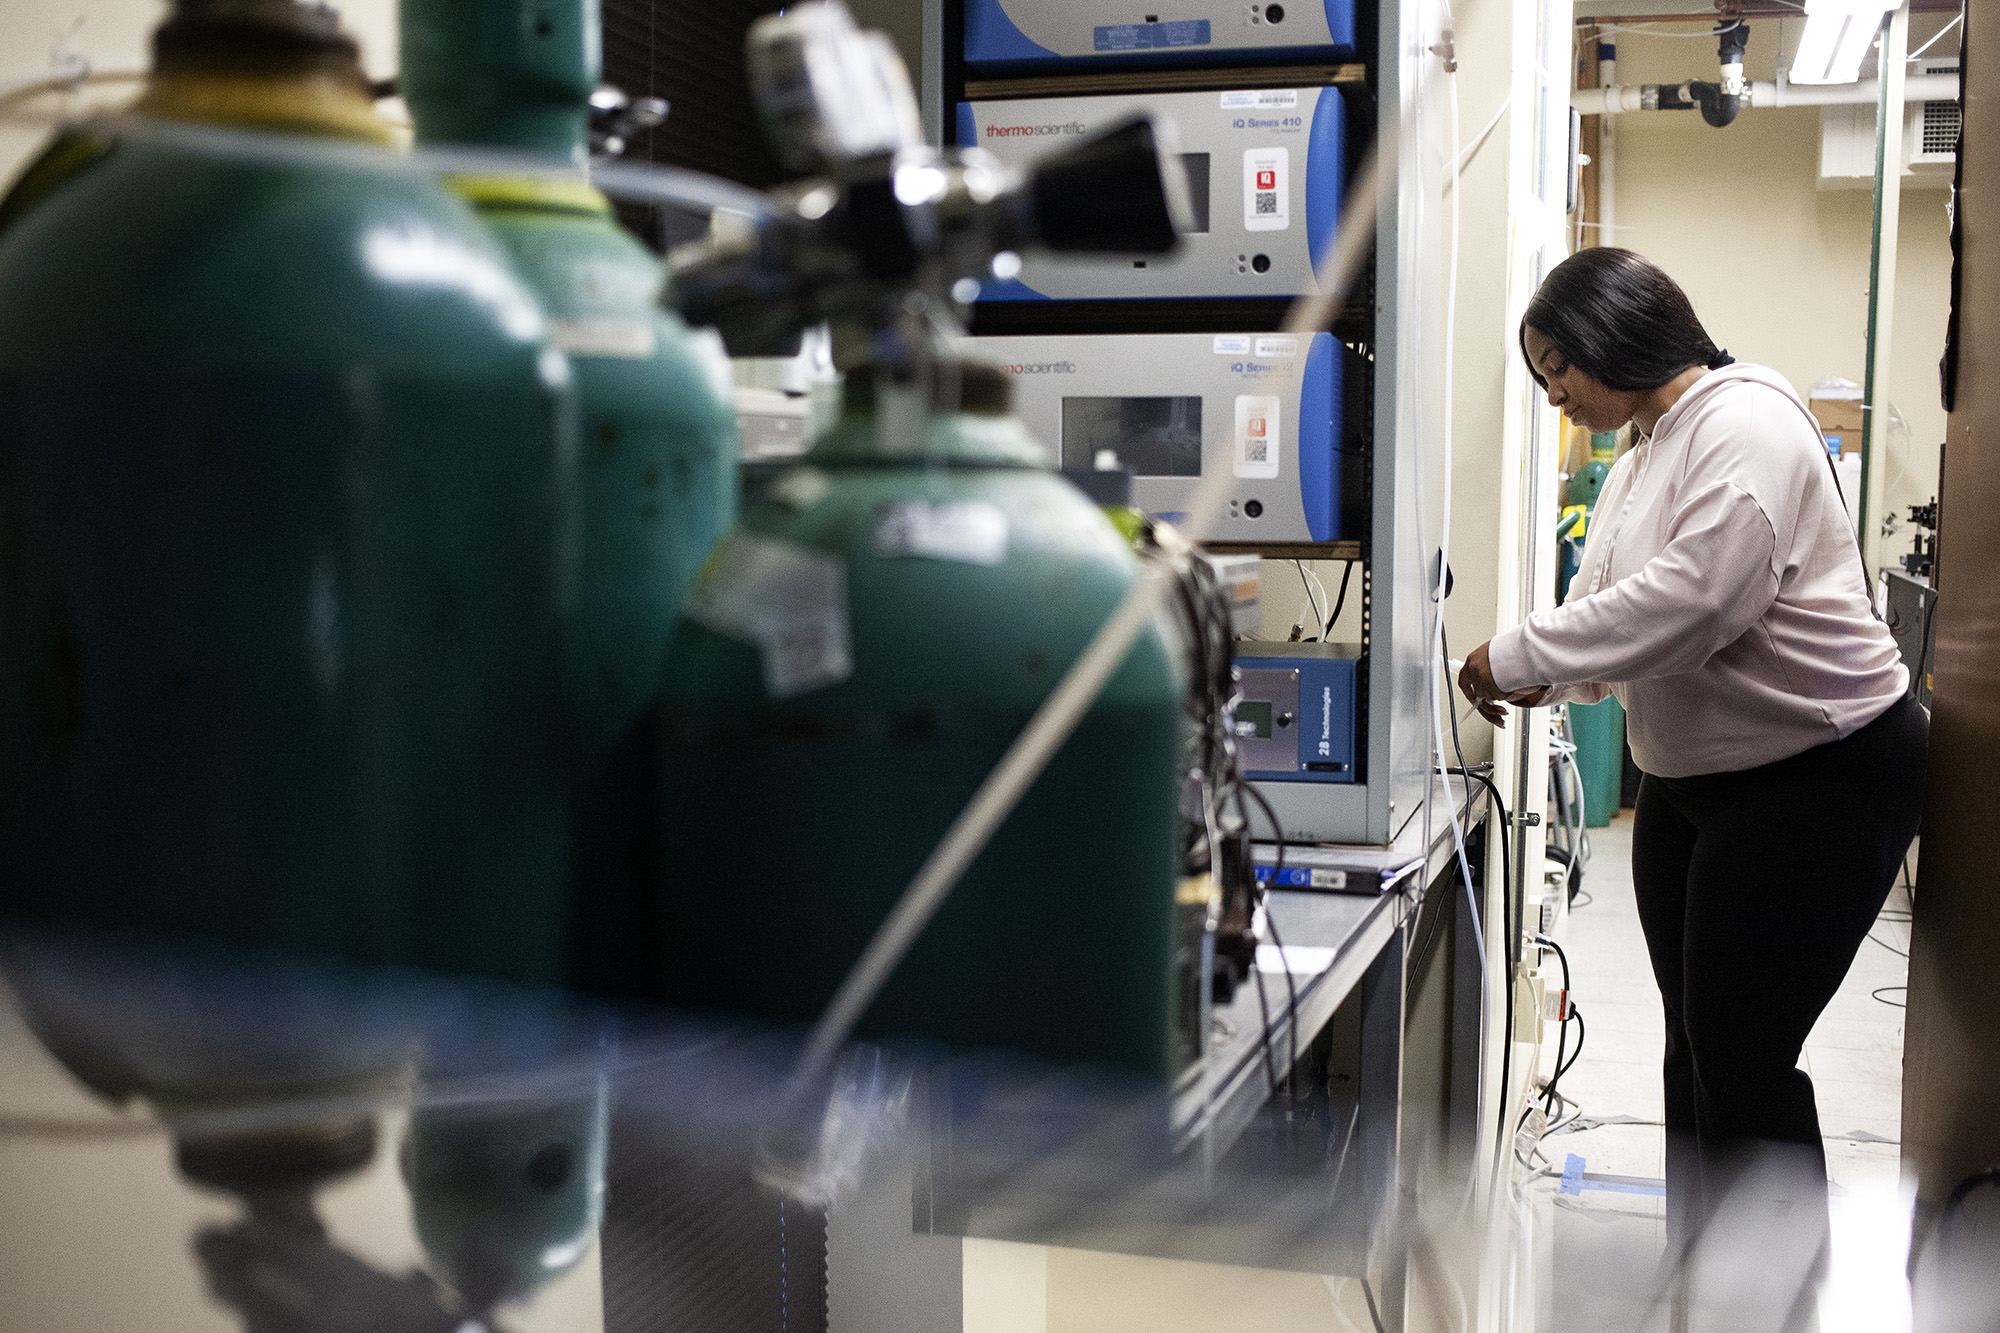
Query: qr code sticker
1256	451
1267	202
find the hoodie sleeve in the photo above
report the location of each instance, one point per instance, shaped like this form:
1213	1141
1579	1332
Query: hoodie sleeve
1713	579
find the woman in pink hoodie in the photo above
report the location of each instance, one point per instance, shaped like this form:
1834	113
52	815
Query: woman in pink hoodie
1723	600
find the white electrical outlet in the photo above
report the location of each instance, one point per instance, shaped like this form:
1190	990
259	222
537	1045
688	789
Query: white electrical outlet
1528	1006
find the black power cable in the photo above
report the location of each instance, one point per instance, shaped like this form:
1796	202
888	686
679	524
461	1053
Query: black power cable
1264	1012
1507	930
1506	854
1508	933
1963	1191
1574	1055
1243	789
1562	1031
1339	601
1465	770
1543	941
1373	1313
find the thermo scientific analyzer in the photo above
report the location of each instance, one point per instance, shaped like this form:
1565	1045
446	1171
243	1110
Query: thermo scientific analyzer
1018	36
1263	408
1266	169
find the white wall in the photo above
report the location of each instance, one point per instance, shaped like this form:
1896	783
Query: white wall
1778	268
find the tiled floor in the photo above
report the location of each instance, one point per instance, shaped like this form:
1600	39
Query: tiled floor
1606	1246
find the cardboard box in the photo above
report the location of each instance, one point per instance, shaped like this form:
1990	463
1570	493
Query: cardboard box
1840	423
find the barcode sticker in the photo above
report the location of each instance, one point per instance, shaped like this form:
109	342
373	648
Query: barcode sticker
1259	438
1260	99
1266	189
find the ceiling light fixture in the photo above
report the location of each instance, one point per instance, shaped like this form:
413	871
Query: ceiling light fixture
1836	40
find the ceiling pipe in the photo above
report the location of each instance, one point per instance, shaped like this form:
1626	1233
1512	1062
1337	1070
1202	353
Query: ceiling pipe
1719	102
1619	98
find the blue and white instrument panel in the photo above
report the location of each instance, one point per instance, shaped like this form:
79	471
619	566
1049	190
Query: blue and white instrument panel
1051	36
1266	172
1264	409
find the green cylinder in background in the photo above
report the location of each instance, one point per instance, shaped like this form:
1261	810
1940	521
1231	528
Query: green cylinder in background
657	440
1599	729
658	426
517	73
656	468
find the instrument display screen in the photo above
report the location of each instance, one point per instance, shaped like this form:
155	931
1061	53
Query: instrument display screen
1154	437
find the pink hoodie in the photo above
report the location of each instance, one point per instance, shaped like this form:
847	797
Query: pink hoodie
1722	596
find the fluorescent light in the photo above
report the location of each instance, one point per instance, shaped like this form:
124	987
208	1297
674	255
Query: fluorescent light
1836	40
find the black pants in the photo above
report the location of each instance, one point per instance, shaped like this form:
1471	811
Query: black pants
1754	890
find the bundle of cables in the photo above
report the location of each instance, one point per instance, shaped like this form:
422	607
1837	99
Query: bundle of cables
1217	827
1558	1112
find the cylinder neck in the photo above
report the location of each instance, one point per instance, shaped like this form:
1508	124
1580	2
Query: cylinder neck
260	64
955	387
959	414
506	73
255	37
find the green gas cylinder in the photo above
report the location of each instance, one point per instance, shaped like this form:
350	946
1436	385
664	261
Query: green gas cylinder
857	655
1599	727
658	427
1588	480
286	531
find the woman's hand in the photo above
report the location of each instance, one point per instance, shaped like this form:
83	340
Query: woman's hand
1475	679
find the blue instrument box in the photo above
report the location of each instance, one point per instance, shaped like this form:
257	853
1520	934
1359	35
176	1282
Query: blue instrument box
1048	36
1295	713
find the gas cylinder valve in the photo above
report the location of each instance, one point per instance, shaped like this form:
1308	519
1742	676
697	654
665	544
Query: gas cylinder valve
615	117
879	215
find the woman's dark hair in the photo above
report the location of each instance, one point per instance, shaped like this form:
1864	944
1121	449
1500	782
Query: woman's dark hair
1618	318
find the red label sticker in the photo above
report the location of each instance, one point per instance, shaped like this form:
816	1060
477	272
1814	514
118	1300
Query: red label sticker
1267	180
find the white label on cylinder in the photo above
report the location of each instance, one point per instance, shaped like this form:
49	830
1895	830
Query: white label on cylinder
968	531
789	600
604	335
